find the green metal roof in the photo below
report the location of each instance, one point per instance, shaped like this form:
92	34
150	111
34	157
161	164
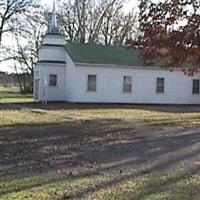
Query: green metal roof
99	54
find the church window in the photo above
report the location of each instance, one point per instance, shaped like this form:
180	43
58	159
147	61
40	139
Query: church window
127	84
92	83
52	80
160	85
196	84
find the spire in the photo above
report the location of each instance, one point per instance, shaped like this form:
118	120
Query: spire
53	27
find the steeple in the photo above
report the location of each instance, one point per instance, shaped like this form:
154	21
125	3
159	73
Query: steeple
53	26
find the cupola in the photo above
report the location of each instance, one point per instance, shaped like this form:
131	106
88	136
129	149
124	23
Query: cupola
53	35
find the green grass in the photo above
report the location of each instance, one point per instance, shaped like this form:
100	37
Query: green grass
163	187
12	95
97	152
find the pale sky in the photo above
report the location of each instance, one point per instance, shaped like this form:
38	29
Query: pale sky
127	7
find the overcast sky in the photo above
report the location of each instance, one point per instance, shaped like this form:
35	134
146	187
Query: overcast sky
128	6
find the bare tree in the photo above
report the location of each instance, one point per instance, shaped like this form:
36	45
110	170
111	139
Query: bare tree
9	9
27	39
117	26
104	7
101	21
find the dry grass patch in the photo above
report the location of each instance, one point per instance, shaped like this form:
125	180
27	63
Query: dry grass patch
98	152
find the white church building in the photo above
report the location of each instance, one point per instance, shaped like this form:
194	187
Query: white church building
91	73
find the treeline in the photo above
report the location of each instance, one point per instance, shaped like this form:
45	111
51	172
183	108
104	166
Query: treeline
23	81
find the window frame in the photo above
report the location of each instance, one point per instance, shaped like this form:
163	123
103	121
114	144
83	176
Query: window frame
159	85
88	87
55	81
124	85
195	87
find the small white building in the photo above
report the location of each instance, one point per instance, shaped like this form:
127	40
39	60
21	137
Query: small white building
89	73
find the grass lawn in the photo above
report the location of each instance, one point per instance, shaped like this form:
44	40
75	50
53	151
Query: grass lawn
97	152
12	95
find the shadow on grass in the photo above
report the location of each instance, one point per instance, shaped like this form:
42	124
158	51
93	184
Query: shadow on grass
89	149
101	106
